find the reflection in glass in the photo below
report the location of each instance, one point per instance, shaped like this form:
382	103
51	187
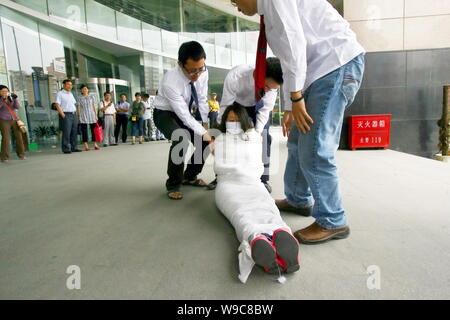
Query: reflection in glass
38	5
101	20
207	40
153	72
72	11
238	54
170	42
199	17
245	25
162	14
27	79
188	36
3	70
27	41
223	45
251	45
16	78
216	78
54	67
11	51
129	29
169	64
53	55
152	37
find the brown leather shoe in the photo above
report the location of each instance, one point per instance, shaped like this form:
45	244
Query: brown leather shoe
283	205
315	234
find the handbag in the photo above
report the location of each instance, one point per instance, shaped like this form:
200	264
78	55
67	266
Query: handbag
98	133
19	122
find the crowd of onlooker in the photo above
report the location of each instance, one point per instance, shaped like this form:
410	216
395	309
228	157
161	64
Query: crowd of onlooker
103	122
108	121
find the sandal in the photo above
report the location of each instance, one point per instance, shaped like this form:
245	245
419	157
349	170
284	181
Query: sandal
172	195
196	183
212	185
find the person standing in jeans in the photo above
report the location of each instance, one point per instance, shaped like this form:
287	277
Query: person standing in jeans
8	105
137	118
181	88
323	66
66	106
122	108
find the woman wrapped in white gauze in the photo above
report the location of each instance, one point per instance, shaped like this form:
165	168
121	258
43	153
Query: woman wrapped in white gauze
265	238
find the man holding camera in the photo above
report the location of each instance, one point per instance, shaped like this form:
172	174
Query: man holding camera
8	122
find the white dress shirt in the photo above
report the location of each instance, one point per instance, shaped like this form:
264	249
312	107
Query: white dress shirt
66	100
175	94
239	86
310	38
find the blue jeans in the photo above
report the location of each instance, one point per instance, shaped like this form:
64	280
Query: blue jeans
311	176
137	128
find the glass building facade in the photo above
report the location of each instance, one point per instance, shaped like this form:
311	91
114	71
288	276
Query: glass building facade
123	46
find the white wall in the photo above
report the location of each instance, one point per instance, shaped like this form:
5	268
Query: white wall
385	25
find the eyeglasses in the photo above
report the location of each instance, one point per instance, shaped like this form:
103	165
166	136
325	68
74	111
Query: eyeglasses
194	73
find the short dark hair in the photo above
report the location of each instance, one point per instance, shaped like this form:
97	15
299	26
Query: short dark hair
67	80
146	95
273	70
137	94
106	92
191	50
10	98
242	114
83	86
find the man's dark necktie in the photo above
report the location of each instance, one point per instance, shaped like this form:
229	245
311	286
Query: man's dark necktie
194	98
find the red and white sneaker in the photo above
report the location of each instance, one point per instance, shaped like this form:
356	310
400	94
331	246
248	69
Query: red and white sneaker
287	249
264	254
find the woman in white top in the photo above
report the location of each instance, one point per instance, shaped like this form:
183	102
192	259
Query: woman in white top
265	238
87	116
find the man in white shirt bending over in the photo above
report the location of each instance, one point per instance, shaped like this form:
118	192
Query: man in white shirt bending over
183	91
239	87
323	66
